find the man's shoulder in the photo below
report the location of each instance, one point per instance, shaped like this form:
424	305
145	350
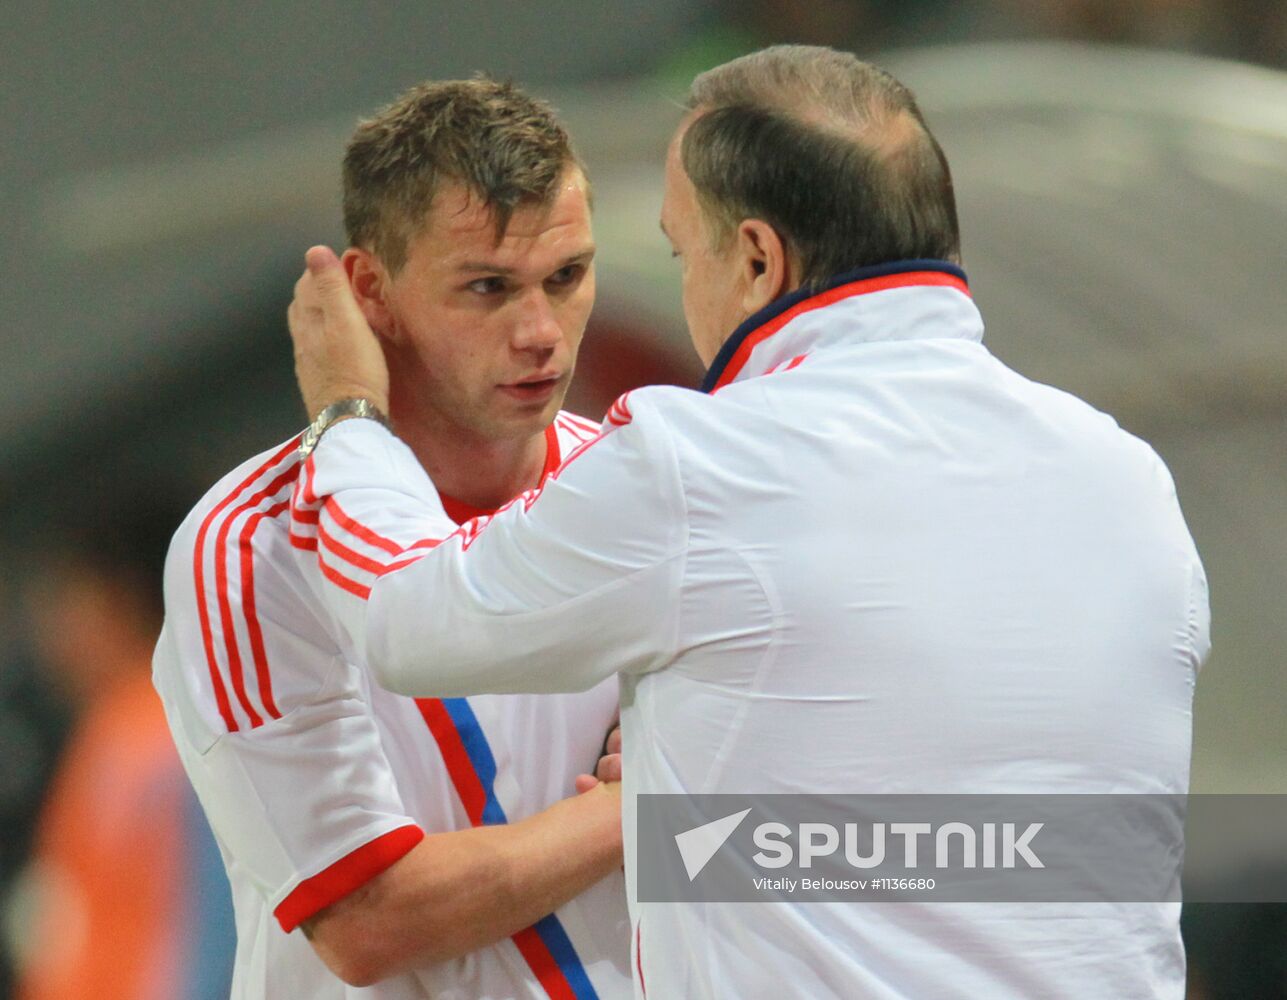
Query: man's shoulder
257	490
242	640
1079	419
231	558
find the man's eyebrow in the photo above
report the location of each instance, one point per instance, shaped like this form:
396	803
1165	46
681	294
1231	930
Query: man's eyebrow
482	265
581	256
491	268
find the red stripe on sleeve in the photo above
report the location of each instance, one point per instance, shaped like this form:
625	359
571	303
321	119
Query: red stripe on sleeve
619	413
309	469
351	556
399	564
342	581
256	634
361	530
351	872
300	542
304	516
221	591
553	456
198	574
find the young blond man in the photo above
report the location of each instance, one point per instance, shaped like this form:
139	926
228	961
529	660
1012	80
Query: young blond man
418	847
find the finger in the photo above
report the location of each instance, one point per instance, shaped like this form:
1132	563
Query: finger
327	289
609	768
329	284
584	782
613	745
321	259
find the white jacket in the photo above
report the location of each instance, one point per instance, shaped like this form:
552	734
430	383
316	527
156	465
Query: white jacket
873	559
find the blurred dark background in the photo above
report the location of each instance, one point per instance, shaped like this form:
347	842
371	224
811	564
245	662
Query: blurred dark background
1121	167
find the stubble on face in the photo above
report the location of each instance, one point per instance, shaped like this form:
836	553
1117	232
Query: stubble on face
484	333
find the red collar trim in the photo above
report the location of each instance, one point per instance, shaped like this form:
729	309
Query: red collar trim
863	286
460	512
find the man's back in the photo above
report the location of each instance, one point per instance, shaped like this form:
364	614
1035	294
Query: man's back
937	535
911	570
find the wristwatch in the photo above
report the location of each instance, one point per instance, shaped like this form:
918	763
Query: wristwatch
351	407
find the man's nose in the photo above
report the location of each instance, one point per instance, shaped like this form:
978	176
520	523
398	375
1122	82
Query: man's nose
537	328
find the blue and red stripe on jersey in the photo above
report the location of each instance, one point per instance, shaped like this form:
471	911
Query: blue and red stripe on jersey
545	946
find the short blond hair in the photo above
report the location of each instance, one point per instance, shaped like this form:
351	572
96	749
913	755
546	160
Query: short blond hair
504	146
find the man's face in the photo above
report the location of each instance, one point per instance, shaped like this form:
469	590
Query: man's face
482	337
712	295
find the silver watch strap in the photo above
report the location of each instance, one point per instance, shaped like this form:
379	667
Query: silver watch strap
351	407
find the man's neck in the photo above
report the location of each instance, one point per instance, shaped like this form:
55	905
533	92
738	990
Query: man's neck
476	471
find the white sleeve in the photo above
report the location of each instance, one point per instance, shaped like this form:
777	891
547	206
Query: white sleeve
271	721
557	591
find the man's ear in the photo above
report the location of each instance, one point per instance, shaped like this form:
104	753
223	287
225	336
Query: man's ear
765	267
370	283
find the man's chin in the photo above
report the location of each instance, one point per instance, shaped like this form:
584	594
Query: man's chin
522	419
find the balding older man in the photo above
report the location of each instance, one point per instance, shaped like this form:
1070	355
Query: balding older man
868	558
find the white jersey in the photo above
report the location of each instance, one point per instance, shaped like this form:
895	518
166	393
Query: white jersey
871	560
315	780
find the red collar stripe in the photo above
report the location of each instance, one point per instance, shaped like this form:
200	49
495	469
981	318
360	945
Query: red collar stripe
864	286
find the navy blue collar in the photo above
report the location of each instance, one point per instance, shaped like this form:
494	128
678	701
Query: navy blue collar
791	299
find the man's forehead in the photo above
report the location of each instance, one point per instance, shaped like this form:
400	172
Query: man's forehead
459	209
461	225
675	145
675	178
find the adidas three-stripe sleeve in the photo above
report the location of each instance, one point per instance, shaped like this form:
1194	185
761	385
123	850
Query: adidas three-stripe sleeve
550	594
